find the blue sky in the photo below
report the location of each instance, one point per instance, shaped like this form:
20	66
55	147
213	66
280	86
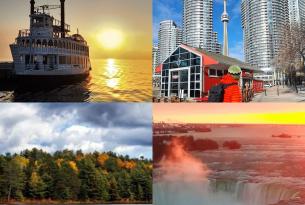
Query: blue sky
120	127
172	9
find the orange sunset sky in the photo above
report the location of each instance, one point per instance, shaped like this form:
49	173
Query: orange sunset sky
113	28
231	113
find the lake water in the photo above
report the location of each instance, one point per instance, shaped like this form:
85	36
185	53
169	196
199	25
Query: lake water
110	80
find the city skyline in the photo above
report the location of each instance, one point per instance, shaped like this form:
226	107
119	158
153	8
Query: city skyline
172	10
108	35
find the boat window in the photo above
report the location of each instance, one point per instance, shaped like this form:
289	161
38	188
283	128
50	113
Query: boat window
62	59
38	22
38	43
68	59
45	60
35	59
44	43
50	43
27	59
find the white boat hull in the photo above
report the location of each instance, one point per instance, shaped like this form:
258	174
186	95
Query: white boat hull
51	68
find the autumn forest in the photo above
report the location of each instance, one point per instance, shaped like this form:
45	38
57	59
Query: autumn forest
35	175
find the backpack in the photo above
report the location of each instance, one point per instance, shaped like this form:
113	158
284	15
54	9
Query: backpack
216	93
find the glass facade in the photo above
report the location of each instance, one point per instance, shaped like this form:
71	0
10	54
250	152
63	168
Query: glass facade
177	70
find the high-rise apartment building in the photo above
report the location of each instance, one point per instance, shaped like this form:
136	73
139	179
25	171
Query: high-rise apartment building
198	24
216	48
297	12
155	57
170	37
262	23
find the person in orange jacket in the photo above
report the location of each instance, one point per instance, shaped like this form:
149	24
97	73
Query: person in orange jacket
232	92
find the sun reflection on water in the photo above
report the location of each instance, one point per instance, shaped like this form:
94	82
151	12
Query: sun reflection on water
111	72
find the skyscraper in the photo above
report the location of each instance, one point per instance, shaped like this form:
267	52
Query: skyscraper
225	20
297	12
169	39
155	57
262	23
216	45
198	24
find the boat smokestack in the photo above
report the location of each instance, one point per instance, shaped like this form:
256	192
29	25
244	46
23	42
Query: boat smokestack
62	5
32	6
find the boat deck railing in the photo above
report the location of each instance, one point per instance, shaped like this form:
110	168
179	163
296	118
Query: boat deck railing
41	67
51	50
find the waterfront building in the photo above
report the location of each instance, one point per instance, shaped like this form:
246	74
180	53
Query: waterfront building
190	72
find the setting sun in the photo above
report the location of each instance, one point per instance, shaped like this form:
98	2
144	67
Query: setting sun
110	39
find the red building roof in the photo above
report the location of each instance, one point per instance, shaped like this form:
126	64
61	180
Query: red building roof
214	59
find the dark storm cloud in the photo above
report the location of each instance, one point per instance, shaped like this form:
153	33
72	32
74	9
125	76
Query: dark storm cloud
137	136
104	114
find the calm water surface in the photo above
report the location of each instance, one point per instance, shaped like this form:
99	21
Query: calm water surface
110	80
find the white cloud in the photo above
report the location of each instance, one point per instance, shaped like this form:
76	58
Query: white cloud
136	151
52	131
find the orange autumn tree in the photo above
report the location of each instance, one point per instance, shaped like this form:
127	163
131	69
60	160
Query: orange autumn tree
126	164
73	166
102	158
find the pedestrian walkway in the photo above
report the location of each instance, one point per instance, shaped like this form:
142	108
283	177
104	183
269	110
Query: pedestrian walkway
279	94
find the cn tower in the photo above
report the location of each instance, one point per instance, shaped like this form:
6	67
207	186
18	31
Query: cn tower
225	20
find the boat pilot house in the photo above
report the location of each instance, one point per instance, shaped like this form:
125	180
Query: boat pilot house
189	73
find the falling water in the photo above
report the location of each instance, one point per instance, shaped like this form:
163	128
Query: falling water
183	180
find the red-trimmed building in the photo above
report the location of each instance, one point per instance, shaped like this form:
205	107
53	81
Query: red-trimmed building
190	73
